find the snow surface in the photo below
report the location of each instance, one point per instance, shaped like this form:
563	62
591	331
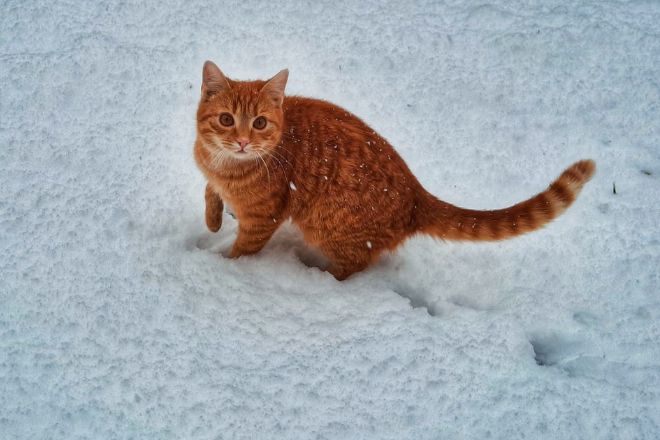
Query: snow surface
119	319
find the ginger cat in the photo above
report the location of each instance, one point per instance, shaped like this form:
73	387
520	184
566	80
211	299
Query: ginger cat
273	157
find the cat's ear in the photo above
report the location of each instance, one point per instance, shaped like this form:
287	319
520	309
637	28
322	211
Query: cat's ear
274	88
213	80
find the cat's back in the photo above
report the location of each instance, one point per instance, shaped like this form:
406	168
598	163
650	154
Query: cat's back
311	112
321	129
294	105
342	164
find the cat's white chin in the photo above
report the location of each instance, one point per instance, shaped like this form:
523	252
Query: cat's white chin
242	155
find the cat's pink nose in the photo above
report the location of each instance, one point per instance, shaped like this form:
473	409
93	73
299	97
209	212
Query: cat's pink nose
243	142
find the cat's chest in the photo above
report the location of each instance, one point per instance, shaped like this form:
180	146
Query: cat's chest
225	188
236	191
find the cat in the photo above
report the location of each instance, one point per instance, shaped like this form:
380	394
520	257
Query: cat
273	157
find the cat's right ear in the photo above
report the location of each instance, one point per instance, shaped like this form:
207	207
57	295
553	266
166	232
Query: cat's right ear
274	88
213	80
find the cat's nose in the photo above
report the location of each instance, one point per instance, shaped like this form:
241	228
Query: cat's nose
242	142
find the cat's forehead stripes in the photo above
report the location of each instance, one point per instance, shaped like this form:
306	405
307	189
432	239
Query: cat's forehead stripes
245	97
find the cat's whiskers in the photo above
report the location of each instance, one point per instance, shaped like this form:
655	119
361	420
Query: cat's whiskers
219	157
265	164
279	155
274	155
278	147
216	149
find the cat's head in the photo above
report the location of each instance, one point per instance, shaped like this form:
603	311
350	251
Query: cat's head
240	120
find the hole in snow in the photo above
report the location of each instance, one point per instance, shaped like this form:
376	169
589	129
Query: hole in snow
312	257
542	353
553	349
418	298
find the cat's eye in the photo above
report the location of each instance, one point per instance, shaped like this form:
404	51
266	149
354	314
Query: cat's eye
259	123
226	119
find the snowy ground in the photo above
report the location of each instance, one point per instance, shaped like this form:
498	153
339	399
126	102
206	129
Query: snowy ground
119	320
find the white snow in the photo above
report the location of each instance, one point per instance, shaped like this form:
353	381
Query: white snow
292	186
119	318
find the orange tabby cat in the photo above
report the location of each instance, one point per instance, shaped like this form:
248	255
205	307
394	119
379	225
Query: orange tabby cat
273	158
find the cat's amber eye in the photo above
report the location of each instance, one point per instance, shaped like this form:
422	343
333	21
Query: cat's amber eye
226	119
259	123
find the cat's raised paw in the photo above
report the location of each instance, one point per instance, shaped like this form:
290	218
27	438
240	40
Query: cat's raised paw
213	221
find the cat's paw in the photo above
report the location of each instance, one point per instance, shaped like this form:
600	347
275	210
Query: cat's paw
213	222
224	246
233	252
213	243
214	208
227	252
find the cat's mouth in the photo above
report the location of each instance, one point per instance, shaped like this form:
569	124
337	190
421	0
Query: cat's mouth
219	150
249	152
242	154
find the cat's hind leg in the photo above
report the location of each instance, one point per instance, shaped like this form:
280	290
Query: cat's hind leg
347	257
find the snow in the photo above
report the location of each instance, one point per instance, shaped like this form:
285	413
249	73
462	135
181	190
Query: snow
292	186
120	319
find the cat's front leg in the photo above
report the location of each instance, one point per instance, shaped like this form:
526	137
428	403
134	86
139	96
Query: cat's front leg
252	237
214	208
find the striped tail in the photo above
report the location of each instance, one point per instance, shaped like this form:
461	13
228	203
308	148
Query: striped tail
450	222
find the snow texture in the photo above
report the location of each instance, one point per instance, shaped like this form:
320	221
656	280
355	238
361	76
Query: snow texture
120	319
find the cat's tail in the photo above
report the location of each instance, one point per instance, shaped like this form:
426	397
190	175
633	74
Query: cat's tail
446	221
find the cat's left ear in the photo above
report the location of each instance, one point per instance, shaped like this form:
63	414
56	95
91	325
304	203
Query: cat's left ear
213	80
274	88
